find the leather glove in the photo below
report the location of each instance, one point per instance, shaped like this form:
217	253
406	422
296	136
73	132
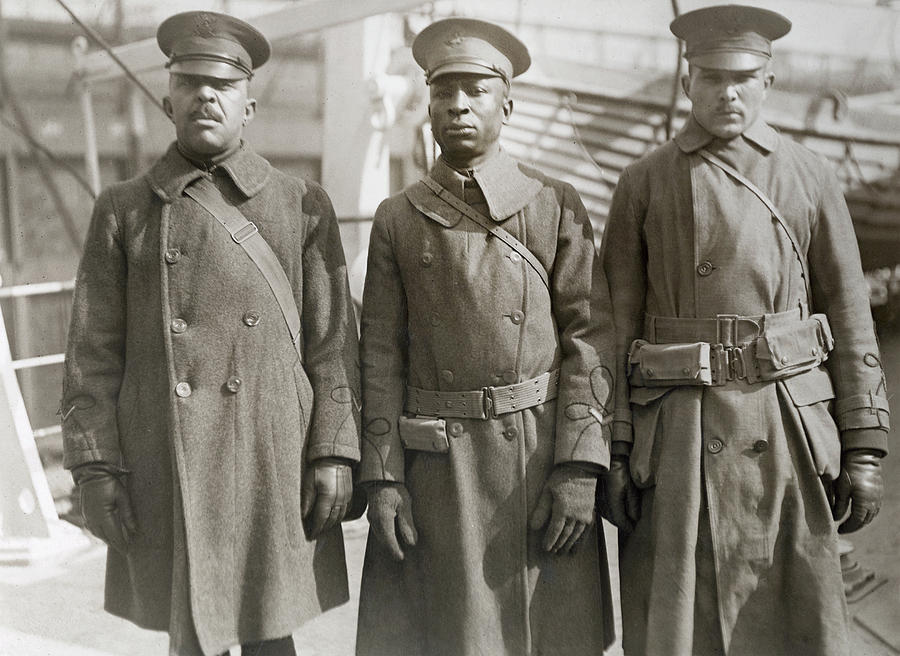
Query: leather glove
326	492
105	506
859	487
618	498
567	501
390	511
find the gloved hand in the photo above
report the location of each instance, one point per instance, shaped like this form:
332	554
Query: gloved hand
390	509
858	487
105	506
327	490
618	498
567	501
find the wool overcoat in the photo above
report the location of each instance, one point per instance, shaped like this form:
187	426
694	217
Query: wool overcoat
736	550
449	307
180	369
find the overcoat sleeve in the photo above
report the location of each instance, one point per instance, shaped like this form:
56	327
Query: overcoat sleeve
840	291
95	352
624	263
330	346
384	351
581	309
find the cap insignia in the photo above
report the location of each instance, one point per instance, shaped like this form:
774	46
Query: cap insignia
454	40
205	25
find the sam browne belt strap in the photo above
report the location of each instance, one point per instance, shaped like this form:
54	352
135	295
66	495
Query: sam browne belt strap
246	235
486	403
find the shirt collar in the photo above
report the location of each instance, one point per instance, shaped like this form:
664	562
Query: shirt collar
505	187
693	136
173	172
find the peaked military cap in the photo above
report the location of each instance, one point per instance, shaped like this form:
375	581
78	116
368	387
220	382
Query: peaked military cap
467	45
212	44
729	37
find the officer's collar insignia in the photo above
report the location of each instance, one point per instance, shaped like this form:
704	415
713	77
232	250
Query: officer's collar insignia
205	25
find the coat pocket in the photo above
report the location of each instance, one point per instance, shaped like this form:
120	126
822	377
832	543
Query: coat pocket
812	393
646	405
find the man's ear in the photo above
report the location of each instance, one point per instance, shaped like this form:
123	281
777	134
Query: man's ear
507	110
249	110
167	107
686	84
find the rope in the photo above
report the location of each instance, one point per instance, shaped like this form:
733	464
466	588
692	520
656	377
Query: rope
48	154
567	101
99	40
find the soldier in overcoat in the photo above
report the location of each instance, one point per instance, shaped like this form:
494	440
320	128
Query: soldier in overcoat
746	348
200	427
486	357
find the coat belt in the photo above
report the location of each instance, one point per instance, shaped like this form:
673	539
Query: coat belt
485	403
724	329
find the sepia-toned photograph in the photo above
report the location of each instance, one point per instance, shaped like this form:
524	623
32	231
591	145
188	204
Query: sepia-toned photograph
449	328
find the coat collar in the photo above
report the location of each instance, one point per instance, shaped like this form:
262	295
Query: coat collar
693	136
505	187
173	172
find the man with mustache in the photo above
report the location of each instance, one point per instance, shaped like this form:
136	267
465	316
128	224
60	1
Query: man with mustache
210	399
746	348
486	360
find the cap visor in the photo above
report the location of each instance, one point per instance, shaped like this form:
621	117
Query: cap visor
463	67
730	61
208	68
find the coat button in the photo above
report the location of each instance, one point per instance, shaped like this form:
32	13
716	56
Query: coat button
251	318
510	377
705	268
511	432
172	255
183	389
427	259
435	320
517	317
447	376
514	257
178	325
715	445
760	445
456	429
233	384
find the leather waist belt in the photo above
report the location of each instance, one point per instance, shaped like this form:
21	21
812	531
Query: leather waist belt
486	403
724	329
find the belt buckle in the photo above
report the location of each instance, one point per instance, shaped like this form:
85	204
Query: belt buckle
732	336
736	363
487	402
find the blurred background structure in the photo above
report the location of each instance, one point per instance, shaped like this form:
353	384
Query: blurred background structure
342	102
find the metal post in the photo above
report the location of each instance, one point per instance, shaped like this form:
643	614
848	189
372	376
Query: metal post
91	159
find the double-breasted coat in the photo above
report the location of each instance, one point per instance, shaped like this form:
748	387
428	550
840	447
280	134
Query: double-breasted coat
180	369
449	307
736	549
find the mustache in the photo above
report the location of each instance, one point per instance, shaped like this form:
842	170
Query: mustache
206	112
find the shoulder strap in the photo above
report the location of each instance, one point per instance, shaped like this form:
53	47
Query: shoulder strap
490	226
246	235
734	173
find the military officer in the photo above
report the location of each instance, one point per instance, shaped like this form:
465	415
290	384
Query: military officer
746	348
211	381
486	358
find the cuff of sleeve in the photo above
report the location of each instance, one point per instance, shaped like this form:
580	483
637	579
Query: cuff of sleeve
622	415
864	438
74	458
862	411
332	450
620	448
